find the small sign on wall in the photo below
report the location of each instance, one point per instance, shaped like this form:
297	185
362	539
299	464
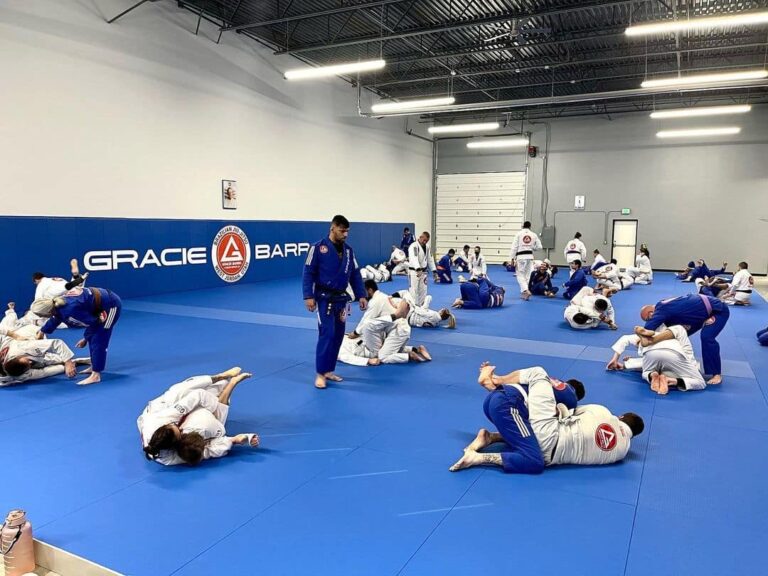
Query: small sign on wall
229	194
580	202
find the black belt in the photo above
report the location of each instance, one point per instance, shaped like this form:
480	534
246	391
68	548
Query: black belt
524	253
747	291
552	454
417	269
574	252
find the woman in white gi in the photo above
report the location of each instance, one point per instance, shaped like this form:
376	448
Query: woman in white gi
186	424
642	272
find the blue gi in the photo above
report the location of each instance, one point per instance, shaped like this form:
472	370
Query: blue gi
541	282
444	270
762	337
510	267
462	264
407	240
481	293
692	311
577	281
505	407
95	309
703	271
327	273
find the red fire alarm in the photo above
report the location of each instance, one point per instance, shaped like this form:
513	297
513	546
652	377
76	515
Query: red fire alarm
532	150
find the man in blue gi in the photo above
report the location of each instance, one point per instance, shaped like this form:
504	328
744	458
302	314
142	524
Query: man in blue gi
540	283
95	309
407	240
444	268
507	408
576	282
479	293
700	270
331	266
695	312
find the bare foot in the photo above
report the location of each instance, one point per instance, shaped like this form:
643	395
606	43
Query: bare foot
74	268
664	383
486	374
458	303
231	373
240	377
424	353
414	356
94	378
333	377
655	381
716	379
470	458
525	295
320	381
482	440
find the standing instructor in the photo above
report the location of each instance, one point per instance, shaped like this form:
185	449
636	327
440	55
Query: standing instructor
331	267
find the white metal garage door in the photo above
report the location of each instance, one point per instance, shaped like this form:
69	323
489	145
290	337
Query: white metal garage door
479	209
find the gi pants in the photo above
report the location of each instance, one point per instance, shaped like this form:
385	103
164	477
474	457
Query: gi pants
506	408
418	286
762	337
673	364
710	348
332	320
524	269
98	336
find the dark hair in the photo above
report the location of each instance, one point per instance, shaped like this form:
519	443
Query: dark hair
406	229
577	235
601	304
691	264
339	220
466	246
164	438
595	251
451	251
577	262
644	250
15	367
634	422
614	261
371	285
478	247
38	276
743	265
526	224
425	233
578	387
190	448
580	318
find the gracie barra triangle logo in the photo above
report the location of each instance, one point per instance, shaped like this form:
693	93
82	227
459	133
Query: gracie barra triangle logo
232	253
605	437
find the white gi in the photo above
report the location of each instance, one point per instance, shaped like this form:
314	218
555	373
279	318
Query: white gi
673	358
210	425
588	435
523	247
354	352
598	260
24	328
387	339
584	302
176	403
609	276
477	266
419	260
379	274
641	272
740	288
400	261
575	250
49	288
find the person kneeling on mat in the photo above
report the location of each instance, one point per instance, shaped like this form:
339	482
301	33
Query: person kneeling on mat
186	424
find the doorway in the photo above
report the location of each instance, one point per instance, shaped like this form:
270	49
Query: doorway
624	242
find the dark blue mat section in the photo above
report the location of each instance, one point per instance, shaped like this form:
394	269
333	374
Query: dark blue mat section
354	480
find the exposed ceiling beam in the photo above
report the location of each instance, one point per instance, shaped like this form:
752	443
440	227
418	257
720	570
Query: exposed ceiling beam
525	66
437	29
308	15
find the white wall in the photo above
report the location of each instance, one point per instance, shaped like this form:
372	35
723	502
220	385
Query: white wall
692	198
141	118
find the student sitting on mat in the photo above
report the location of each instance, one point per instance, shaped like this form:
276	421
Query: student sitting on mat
186	424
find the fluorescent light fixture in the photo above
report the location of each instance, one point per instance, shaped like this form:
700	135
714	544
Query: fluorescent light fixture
748	19
698	132
498	143
463	128
705	79
413	104
701	111
335	70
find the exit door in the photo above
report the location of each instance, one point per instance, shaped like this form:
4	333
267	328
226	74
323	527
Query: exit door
624	242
